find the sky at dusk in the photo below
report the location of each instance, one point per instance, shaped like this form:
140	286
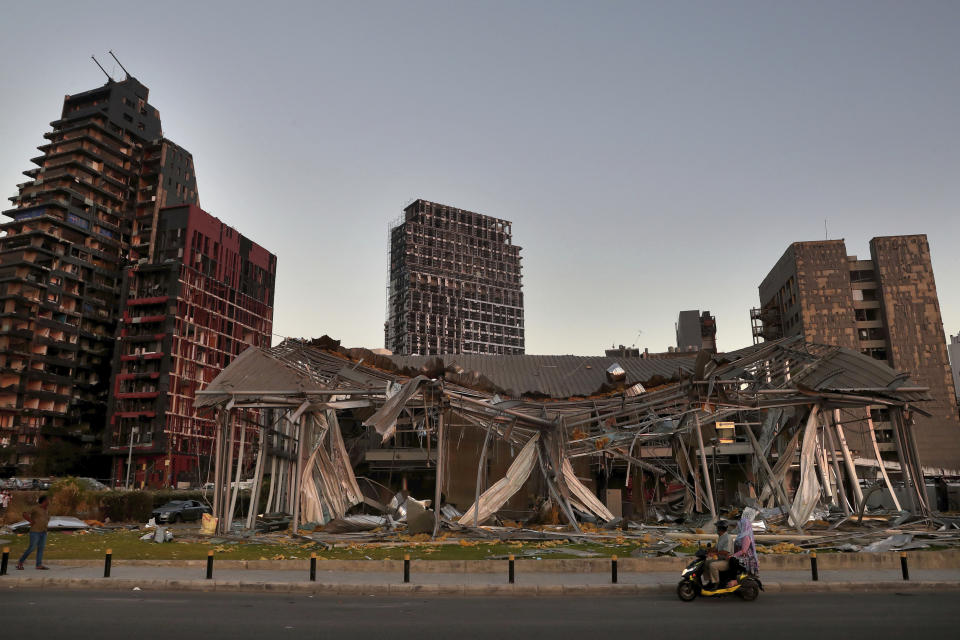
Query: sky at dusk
653	156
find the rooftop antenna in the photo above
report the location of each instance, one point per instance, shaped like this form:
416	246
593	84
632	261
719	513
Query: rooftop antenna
101	68
119	63
826	235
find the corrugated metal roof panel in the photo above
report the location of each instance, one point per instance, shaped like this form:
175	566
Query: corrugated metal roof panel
557	376
255	369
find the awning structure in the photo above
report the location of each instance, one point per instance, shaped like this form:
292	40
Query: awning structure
776	406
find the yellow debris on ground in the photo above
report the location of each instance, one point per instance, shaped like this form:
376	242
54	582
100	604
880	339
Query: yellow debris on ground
780	547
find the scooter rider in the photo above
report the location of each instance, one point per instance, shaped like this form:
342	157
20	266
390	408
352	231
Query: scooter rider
718	560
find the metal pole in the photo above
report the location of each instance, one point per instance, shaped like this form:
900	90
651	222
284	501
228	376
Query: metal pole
303	441
406	567
883	469
210	565
906	472
814	574
107	561
441	467
706	470
510	571
841	492
313	567
613	569
126	485
772	479
236	491
848	459
253	507
480	474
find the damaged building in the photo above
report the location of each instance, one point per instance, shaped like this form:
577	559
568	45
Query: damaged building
885	307
560	438
86	210
454	283
202	295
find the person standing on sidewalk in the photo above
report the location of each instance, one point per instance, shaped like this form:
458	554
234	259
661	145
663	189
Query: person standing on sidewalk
39	518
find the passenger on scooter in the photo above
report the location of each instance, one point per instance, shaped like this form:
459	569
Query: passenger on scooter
718	560
745	544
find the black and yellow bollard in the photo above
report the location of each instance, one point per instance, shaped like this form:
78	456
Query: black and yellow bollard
613	569
814	574
210	565
510	573
406	567
107	562
903	565
4	561
313	567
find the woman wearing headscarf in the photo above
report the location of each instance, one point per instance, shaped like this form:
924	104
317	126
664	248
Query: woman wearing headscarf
745	548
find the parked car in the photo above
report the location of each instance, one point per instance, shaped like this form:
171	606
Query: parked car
180	511
92	484
245	485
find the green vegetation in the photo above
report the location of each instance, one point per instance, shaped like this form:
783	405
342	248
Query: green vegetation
126	545
72	497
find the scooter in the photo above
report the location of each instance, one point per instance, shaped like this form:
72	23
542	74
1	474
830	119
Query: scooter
733	580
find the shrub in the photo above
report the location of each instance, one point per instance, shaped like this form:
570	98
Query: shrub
70	497
121	506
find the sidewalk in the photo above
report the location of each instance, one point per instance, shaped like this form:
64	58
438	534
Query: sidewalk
179	577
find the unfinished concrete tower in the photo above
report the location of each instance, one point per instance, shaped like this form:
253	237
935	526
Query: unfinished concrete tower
454	283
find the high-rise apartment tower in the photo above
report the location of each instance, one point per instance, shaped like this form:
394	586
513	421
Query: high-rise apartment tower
88	209
206	295
454	283
885	307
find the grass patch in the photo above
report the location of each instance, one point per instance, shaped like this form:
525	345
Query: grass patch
126	545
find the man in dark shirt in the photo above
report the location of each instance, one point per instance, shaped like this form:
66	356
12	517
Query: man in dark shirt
39	518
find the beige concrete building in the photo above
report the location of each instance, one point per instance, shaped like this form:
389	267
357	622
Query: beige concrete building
885	307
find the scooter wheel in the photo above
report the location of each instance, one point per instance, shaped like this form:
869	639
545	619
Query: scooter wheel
749	590
686	591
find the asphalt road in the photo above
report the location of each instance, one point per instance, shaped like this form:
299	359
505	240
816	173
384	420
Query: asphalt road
210	616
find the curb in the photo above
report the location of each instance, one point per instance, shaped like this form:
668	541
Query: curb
949	559
473	590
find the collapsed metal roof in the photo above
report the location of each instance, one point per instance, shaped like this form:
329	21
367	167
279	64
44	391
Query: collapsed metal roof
560	408
305	366
557	376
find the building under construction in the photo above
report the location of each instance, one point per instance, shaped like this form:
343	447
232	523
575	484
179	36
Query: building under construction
454	284
88	208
